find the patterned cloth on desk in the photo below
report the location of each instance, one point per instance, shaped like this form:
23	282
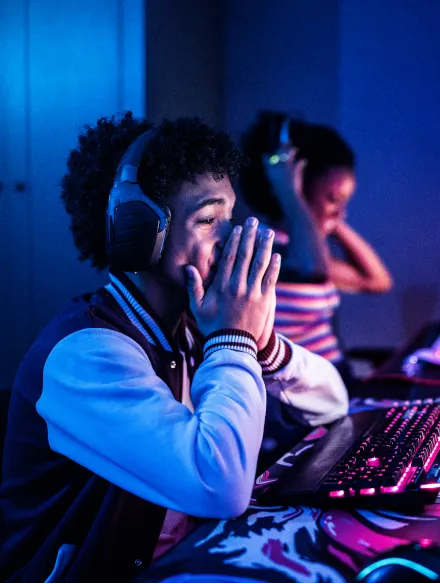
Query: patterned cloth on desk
304	315
291	544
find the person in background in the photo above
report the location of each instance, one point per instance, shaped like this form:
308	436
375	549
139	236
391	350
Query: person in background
299	179
142	405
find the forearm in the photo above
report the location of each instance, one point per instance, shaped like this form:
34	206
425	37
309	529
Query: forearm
306	252
371	273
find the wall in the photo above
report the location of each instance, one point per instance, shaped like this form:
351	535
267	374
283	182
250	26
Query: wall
373	70
184	64
389	108
63	64
278	55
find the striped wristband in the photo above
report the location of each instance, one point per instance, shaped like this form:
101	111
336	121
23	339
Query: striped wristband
275	355
234	339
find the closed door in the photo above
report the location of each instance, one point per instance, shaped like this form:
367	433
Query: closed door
73	62
15	200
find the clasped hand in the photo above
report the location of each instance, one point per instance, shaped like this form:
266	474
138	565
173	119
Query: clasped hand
242	294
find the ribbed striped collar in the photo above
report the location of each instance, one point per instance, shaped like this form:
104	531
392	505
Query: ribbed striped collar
140	313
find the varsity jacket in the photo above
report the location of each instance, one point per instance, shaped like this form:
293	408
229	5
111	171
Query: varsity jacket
112	422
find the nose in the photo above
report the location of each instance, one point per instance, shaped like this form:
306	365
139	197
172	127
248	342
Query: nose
224	232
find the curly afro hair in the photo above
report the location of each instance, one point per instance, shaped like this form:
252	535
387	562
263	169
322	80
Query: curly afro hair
179	151
321	146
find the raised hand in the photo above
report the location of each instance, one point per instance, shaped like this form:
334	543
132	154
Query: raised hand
285	173
241	294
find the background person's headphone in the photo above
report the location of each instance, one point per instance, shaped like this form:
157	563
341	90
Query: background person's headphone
284	136
279	137
136	226
278	132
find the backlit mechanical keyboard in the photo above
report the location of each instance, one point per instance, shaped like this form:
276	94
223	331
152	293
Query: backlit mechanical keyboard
398	456
383	458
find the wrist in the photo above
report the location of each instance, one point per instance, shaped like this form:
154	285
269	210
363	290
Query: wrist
275	355
234	339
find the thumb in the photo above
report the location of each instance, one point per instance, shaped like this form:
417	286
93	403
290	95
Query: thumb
194	287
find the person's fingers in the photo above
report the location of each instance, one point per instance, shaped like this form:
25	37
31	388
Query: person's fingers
258	238
244	254
287	152
228	257
271	276
195	288
261	259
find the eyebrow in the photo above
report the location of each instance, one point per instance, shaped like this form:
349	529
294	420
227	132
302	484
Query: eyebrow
210	201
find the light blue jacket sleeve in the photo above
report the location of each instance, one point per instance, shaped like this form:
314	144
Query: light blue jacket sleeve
106	409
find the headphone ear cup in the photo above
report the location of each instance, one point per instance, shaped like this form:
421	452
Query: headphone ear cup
135	230
133	243
136	226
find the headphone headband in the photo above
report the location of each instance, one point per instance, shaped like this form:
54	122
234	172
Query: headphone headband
285	131
134	153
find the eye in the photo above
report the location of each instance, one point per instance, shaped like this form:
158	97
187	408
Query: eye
207	221
211	220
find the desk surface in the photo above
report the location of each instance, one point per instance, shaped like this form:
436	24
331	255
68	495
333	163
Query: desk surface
303	544
291	544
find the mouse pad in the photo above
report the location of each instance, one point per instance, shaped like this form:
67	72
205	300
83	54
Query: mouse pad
291	544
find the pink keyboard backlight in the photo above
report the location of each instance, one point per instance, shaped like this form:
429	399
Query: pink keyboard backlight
336	494
369	491
373	461
432	456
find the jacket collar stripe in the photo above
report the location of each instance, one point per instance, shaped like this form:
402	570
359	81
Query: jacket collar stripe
128	312
141	314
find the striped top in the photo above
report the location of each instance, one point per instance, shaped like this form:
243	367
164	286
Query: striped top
304	315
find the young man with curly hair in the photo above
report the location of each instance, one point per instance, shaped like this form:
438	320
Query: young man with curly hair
131	415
